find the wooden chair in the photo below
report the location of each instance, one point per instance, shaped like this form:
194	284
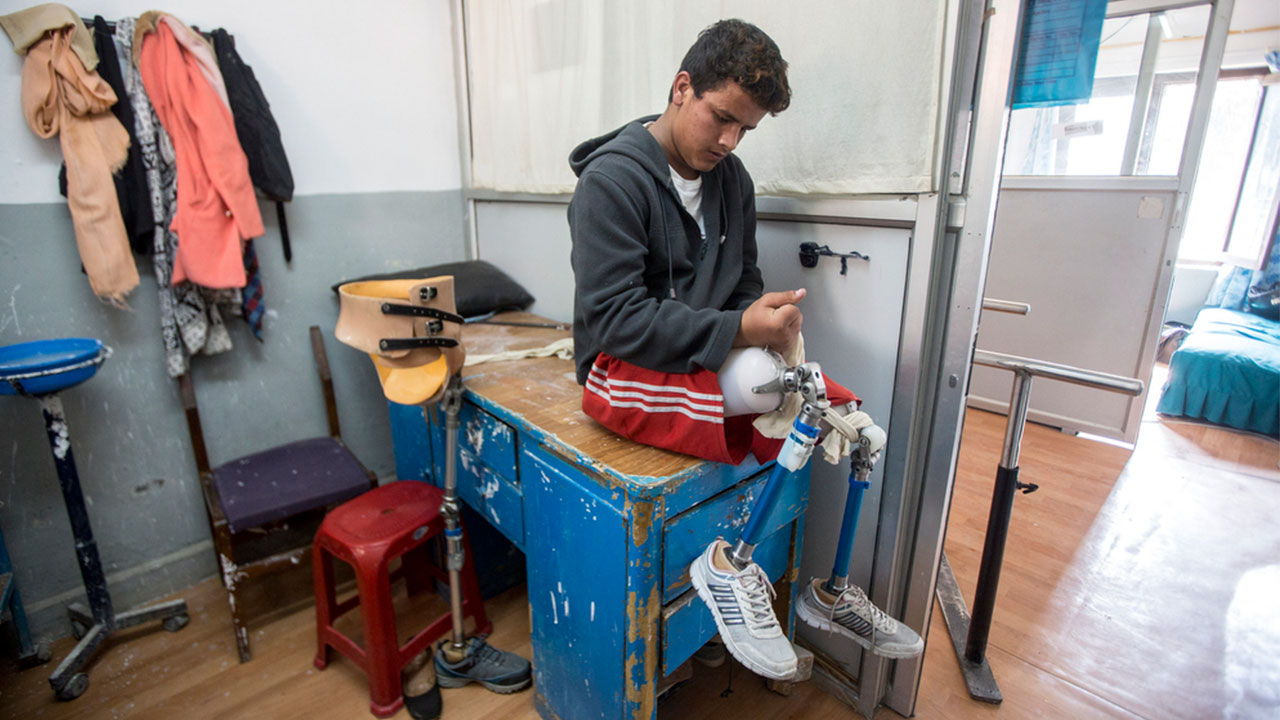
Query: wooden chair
263	508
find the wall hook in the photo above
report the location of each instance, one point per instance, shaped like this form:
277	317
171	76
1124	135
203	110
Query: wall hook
811	251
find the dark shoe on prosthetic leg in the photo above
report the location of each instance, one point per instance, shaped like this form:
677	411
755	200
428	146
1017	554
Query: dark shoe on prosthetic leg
851	615
421	691
477	661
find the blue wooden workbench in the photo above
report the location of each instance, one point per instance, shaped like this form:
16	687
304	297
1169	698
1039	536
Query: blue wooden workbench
608	527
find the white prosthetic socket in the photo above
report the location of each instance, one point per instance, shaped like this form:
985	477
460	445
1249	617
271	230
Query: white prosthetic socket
744	369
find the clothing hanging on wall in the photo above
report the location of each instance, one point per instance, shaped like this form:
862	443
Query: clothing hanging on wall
131	181
61	96
148	204
217	209
190	320
257	129
27	27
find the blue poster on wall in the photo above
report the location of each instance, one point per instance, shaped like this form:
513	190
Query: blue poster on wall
1058	52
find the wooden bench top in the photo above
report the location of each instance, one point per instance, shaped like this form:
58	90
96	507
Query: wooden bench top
544	394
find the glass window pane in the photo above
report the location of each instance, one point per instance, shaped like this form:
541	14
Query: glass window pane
1173	90
1085	139
1090	138
1163	149
1226	148
1255	213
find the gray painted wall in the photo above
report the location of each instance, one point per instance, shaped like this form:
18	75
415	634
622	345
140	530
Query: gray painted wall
128	433
530	242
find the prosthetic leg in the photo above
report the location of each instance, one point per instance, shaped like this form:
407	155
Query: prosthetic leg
807	380
737	590
461	660
412	334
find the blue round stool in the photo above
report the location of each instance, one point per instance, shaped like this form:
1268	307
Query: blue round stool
41	369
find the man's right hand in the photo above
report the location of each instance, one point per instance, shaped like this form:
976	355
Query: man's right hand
772	321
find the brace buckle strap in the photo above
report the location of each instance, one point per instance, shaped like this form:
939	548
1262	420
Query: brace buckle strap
419	311
386	344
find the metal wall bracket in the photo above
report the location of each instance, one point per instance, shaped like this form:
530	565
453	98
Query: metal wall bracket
811	251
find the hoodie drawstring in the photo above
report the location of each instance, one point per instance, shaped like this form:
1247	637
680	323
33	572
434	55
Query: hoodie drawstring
671	273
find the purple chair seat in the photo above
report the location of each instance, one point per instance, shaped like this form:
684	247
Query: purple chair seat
286	480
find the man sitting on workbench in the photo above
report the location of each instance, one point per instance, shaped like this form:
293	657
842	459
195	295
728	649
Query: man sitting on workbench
663	225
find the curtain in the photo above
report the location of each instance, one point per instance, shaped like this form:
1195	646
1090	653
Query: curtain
544	75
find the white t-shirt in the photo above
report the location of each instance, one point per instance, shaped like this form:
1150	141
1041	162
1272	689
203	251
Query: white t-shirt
690	192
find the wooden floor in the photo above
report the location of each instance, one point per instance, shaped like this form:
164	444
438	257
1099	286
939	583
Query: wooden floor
1139	584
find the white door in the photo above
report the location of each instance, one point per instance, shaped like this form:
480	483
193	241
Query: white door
1088	230
1089	263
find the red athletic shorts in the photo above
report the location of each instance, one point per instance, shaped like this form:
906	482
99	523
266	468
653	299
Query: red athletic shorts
683	412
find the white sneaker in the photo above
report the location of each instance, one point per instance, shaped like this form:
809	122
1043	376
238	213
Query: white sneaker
740	603
852	615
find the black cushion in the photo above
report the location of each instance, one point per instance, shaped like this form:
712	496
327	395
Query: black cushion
478	286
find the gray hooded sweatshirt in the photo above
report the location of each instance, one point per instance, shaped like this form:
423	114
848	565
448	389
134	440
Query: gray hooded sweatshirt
649	290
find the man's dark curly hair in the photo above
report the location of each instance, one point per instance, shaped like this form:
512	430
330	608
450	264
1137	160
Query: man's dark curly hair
739	51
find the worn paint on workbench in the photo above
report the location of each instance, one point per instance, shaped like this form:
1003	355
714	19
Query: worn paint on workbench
576	587
644	607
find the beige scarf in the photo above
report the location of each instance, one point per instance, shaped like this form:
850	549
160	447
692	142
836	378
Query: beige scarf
27	27
60	97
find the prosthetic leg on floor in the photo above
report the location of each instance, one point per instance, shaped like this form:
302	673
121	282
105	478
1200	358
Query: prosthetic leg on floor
413	335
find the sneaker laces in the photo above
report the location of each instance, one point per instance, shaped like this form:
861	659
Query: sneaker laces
483	651
759	594
858	599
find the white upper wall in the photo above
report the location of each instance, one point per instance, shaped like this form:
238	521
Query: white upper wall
365	99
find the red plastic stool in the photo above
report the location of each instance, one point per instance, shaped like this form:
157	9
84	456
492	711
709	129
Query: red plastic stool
368	532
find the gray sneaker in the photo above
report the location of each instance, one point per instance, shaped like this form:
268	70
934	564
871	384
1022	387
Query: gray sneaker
852	615
740	604
497	670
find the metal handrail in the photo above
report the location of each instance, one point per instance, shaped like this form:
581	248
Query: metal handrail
1006	306
1065	373
970	631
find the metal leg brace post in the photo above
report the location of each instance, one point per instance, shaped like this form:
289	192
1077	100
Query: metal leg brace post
452	406
91	625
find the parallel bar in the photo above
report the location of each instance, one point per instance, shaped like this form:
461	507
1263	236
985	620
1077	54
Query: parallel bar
1019	401
984	598
1065	373
1006	306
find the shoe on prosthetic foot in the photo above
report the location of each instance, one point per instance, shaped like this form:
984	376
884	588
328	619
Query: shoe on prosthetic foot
852	615
497	670
740	602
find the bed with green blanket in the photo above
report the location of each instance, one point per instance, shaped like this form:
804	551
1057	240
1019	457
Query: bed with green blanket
1227	371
